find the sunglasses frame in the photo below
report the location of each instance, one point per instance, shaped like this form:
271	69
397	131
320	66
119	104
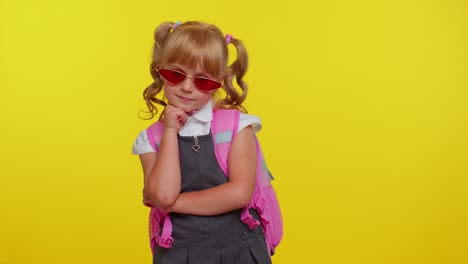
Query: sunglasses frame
192	78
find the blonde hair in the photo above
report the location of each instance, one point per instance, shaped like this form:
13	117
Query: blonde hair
193	43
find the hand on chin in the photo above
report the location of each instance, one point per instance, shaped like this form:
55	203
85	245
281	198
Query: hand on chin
184	107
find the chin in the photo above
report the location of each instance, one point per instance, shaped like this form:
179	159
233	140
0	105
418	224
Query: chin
184	107
188	109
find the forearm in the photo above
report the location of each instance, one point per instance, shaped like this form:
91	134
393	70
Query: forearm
217	200
163	183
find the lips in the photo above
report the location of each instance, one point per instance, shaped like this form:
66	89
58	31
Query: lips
184	98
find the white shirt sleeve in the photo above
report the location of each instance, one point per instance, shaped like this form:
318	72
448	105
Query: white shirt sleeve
142	144
246	120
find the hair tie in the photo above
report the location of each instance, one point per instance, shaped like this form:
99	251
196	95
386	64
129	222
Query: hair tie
177	23
229	38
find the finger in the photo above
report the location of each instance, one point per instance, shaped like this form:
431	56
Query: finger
184	118
181	115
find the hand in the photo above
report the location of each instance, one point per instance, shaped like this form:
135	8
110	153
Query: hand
174	118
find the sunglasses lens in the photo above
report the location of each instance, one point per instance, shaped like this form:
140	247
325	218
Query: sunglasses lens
171	76
204	84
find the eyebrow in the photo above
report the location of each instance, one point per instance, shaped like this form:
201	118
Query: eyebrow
202	74
177	68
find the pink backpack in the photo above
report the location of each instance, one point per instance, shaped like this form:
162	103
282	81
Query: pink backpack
223	129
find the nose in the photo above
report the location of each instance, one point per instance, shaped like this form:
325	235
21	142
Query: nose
187	85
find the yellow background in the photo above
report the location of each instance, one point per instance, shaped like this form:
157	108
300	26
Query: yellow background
364	110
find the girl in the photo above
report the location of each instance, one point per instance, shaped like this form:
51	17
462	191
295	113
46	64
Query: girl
190	64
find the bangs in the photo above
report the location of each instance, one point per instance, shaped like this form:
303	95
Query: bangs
196	47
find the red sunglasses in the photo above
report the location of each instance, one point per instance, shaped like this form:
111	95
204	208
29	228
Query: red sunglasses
202	84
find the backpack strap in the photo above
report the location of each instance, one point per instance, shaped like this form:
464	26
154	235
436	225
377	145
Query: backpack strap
154	227
224	127
154	133
166	239
257	202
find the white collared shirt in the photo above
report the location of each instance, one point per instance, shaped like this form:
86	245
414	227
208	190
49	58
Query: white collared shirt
199	123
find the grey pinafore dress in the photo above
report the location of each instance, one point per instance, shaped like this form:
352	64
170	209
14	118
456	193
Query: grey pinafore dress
220	239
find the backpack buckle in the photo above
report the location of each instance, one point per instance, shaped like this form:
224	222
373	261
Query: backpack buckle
251	222
248	219
166	242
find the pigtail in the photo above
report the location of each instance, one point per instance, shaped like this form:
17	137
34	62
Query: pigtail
237	70
149	94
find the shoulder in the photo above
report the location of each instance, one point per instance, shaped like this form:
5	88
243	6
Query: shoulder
246	120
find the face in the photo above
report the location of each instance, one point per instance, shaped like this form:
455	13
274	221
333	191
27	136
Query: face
185	94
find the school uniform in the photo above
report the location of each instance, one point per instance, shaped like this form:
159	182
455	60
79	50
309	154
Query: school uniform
219	239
